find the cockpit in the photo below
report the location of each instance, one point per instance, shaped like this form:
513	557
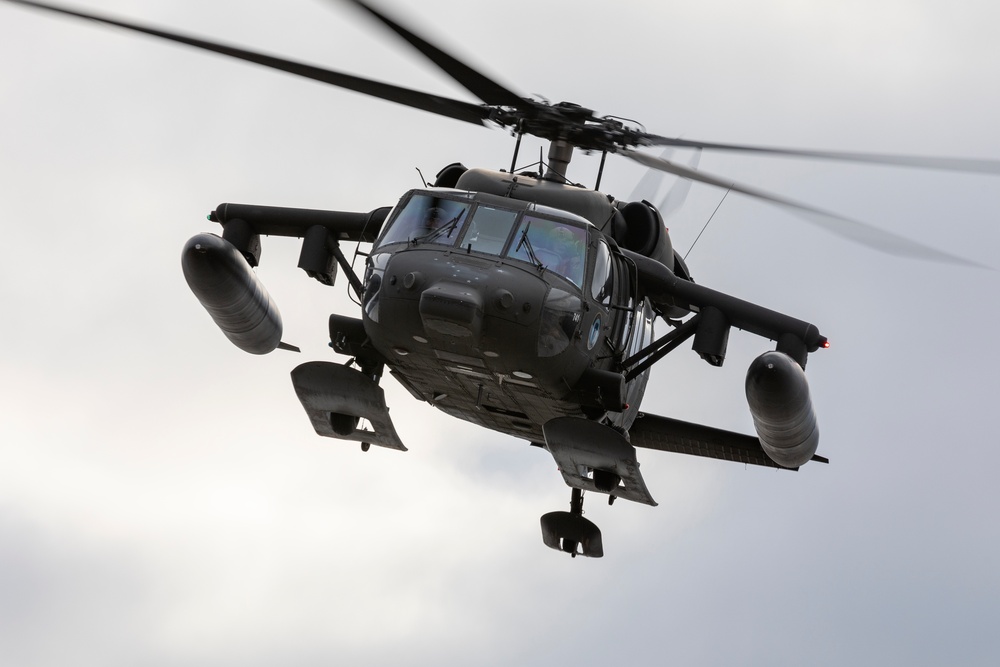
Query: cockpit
554	240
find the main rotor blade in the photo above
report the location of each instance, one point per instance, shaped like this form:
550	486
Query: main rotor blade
917	161
486	89
442	106
648	187
854	230
678	193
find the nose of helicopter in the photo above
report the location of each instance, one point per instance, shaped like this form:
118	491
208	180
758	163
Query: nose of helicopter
425	308
453	309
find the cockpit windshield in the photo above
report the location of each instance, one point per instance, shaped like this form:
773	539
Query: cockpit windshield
557	246
428	219
489	230
560	247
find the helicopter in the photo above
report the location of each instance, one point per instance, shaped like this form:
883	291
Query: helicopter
517	301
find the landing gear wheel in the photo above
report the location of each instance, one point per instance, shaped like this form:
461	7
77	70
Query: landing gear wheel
343	424
570	532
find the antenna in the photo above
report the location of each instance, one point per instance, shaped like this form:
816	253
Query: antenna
706	224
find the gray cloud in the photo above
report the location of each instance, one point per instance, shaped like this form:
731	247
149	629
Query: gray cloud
163	499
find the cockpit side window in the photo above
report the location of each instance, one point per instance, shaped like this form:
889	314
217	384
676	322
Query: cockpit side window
557	246
428	219
489	229
603	284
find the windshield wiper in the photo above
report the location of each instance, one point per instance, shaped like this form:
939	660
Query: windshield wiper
448	227
526	243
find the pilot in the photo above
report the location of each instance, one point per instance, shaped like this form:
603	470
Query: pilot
433	219
571	253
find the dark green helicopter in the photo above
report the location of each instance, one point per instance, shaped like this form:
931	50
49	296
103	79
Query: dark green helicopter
520	301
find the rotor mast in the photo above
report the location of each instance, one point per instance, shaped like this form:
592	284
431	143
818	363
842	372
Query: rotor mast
560	155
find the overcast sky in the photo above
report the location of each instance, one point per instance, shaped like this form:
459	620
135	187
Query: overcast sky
164	500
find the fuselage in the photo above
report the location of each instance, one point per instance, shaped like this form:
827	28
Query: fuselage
502	312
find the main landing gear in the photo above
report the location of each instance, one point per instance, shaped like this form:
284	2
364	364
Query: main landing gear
570	532
337	398
591	457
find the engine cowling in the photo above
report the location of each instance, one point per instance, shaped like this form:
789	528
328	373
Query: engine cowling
645	233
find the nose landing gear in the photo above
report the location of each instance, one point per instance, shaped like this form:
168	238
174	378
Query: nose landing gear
570	532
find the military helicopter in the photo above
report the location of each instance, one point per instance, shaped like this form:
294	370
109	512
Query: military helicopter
520	301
